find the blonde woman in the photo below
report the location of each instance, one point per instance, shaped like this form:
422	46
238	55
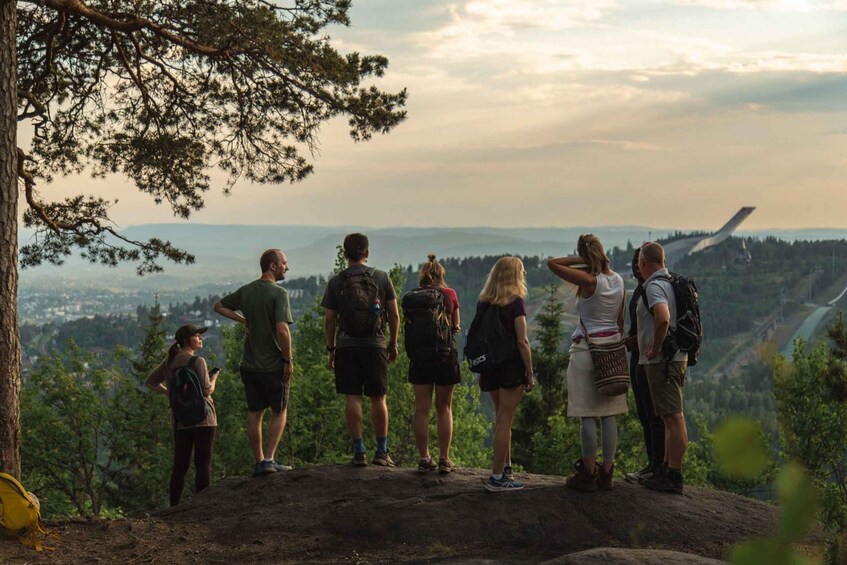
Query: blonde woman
599	303
505	289
433	360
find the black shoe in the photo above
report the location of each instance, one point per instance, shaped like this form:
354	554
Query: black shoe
360	459
665	482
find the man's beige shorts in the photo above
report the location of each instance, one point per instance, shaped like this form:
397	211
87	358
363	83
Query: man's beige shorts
666	392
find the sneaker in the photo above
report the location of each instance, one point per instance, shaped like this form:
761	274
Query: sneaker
665	482
604	478
280	467
639	476
446	466
504	484
360	458
262	468
581	479
426	465
507	471
382	459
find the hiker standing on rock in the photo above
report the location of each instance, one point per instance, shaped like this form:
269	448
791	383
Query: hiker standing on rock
431	314
600	296
502	302
665	377
357	303
266	364
197	434
651	424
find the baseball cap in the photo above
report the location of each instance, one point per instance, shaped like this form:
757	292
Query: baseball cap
188	330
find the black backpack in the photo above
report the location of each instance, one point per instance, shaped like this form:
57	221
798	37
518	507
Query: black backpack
360	312
688	334
188	404
488	345
427	329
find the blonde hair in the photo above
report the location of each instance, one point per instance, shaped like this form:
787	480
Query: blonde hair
505	282
589	248
432	272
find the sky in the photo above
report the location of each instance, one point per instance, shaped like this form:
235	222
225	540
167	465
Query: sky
665	113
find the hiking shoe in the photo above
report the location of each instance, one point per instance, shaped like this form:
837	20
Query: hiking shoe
280	467
639	476
504	484
663	482
426	465
581	479
446	466
507	471
263	468
604	478
360	458
382	459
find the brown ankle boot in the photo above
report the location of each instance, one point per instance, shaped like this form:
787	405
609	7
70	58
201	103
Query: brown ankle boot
581	479
604	479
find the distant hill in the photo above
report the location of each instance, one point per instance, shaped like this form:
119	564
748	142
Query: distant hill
226	253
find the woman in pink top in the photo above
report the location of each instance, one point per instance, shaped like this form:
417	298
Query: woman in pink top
600	304
442	376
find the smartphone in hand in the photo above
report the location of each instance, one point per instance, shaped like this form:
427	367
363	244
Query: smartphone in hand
215	370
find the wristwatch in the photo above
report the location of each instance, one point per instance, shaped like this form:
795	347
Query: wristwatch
284	360
330	349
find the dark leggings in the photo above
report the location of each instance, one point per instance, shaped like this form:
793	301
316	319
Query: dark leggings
200	440
653	426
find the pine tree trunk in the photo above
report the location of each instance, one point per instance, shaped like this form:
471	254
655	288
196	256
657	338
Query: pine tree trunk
10	349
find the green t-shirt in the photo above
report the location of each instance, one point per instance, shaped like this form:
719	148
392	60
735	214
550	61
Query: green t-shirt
263	304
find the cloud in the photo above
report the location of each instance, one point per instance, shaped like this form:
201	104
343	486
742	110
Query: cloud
770	5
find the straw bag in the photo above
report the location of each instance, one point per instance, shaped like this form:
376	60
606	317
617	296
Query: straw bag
611	364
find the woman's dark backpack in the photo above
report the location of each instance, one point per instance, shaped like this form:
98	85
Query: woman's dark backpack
488	345
188	404
427	328
360	312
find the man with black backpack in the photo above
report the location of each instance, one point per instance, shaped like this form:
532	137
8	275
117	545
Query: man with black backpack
359	301
664	362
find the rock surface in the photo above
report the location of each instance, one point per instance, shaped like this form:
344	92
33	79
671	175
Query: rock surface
335	513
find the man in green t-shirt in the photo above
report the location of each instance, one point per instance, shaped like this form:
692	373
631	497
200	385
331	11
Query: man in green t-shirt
266	366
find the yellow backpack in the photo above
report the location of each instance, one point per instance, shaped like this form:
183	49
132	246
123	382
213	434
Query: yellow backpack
20	512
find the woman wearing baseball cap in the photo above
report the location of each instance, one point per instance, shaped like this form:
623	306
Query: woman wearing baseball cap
197	437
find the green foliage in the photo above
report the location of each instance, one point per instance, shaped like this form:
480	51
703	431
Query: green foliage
738	448
736	457
75	440
160	91
798	507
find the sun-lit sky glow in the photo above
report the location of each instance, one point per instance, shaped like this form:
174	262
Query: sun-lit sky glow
669	113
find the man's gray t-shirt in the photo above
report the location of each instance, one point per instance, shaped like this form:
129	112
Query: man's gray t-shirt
330	301
658	290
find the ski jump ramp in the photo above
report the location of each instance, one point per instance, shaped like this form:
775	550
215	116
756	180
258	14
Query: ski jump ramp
683	247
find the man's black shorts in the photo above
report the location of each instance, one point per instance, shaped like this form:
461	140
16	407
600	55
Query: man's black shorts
361	369
265	390
446	373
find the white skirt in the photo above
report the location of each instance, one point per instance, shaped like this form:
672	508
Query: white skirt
583	399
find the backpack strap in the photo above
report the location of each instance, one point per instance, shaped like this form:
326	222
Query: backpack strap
192	362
